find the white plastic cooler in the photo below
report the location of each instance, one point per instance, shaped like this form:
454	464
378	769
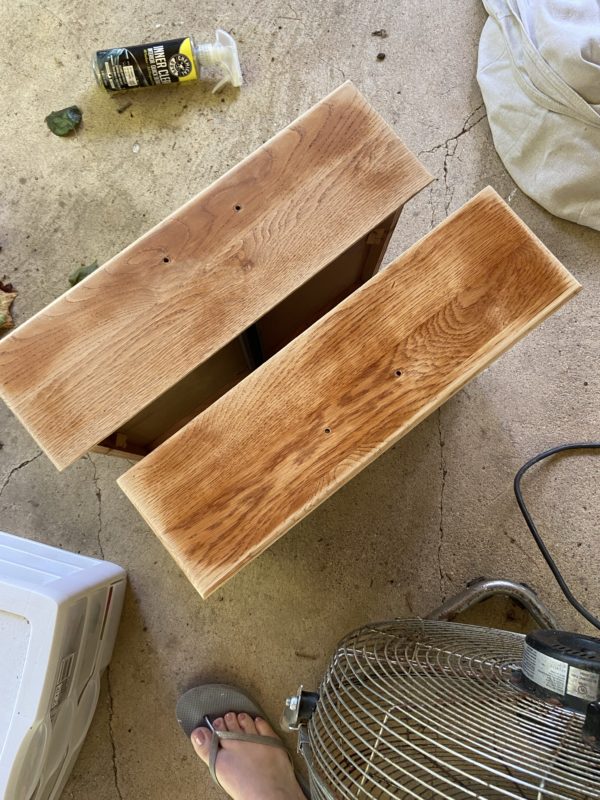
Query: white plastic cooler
59	614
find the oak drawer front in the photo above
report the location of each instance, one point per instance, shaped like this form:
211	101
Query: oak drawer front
84	367
281	441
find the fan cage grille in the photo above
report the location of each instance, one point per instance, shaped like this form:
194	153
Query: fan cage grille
422	709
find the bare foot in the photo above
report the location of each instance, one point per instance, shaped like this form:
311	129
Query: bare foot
248	770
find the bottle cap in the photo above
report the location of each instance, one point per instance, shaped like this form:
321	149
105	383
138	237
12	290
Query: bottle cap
223	52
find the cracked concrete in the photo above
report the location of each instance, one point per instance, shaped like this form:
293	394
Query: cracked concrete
99	499
16	469
434	511
450	145
115	766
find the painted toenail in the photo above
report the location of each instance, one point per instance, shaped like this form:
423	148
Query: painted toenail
198	737
243	716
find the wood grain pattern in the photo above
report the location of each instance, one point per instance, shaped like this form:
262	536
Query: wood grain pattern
279	443
98	355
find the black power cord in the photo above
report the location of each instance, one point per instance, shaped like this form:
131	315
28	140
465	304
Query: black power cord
534	531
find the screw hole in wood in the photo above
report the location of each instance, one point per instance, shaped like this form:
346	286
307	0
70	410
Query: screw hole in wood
238	207
327	430
167	260
398	373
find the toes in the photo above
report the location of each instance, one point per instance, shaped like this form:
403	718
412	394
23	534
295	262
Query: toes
247	724
201	739
231	722
263	727
219	724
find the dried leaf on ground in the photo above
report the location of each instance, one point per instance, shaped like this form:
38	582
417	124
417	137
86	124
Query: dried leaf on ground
64	121
82	272
6	300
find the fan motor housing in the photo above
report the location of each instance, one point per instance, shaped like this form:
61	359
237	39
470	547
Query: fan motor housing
562	665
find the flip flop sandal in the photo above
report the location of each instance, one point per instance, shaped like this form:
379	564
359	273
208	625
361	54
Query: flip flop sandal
203	704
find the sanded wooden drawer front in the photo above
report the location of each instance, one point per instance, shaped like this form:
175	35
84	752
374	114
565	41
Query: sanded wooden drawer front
200	299
266	453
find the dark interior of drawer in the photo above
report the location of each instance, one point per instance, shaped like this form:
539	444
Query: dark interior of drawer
228	366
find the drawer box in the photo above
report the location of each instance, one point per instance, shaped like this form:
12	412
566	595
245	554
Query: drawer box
243	351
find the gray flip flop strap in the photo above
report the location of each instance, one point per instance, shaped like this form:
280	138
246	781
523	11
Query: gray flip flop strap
218	736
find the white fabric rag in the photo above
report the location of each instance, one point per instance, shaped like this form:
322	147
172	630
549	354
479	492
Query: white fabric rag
539	74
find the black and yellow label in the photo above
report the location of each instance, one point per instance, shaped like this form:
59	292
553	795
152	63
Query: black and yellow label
142	65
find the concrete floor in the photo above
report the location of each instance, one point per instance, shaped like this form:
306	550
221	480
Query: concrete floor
434	511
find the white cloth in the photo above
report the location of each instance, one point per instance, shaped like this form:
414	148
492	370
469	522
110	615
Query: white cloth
539	74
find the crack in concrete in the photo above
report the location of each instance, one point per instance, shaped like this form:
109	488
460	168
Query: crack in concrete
330	64
465	129
111	735
432	206
341	71
450	146
443	473
447	157
99	503
16	469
